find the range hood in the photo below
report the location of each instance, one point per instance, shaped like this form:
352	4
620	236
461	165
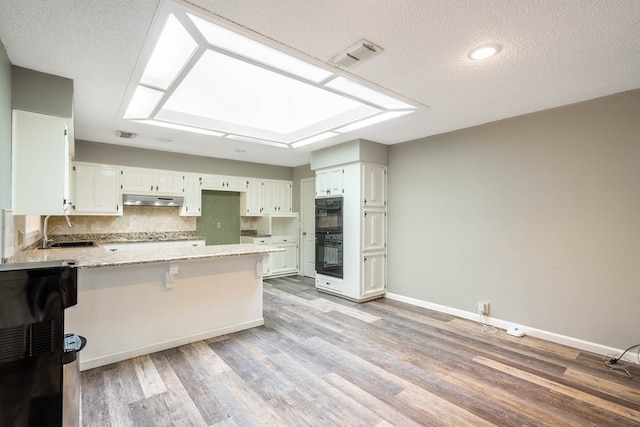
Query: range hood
149	200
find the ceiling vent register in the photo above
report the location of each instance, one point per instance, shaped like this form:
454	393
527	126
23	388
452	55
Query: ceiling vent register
356	53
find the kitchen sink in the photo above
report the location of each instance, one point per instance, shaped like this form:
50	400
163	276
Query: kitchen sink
70	244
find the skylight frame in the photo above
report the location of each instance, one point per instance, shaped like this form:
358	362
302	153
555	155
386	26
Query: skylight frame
161	116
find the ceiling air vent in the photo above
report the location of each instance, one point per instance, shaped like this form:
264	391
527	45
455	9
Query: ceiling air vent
355	54
123	134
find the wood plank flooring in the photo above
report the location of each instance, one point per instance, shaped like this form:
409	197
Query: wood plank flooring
324	361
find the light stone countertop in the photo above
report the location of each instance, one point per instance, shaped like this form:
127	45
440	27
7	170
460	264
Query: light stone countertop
97	256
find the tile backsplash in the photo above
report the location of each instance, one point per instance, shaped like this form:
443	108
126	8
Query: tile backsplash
160	221
135	219
14	234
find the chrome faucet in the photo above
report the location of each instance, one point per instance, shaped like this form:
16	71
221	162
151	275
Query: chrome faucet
45	231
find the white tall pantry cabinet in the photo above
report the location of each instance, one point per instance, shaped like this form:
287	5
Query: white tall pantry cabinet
364	233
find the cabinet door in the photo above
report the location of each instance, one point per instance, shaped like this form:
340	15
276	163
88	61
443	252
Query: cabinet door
40	157
192	196
96	190
374	275
373	230
169	183
285	262
336	177
374	179
284	197
322	183
234	183
329	182
137	181
270	196
251	200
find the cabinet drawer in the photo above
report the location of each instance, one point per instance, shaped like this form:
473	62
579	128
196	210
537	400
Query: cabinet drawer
283	238
330	284
256	240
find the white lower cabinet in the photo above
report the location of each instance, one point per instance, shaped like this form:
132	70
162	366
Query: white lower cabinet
285	262
280	263
373	275
330	284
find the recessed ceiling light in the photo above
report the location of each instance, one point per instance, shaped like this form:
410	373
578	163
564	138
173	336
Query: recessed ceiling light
484	52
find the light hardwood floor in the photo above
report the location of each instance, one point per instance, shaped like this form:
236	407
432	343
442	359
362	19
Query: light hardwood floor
324	361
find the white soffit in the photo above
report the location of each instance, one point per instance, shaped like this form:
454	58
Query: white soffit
206	74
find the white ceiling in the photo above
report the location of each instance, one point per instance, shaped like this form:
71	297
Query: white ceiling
553	53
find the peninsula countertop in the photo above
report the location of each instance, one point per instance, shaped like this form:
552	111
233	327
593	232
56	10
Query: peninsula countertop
98	256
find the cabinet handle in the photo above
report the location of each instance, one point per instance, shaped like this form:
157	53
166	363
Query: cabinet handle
117	208
156	188
152	188
365	201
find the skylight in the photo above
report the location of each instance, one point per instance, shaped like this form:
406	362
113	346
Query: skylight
202	76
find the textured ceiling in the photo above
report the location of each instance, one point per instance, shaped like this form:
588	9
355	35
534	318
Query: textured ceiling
553	53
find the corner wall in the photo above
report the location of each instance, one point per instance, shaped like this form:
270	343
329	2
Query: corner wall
5	137
538	214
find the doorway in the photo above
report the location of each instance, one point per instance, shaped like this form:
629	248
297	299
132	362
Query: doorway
308	226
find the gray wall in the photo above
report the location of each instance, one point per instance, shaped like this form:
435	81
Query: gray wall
539	215
42	93
359	150
5	134
95	152
299	172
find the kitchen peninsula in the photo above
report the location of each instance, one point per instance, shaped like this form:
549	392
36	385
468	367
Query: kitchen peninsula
132	303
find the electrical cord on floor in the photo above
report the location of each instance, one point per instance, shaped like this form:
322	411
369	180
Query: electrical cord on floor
612	360
486	328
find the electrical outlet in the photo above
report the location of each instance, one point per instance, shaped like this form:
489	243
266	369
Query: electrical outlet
483	307
218	225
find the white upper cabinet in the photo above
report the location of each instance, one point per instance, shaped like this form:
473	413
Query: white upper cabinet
266	197
96	189
192	205
251	200
224	183
150	181
329	182
40	167
374	179
277	196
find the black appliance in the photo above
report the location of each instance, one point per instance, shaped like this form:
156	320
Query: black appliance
33	298
329	236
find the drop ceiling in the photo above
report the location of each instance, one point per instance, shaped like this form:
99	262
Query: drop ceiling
552	54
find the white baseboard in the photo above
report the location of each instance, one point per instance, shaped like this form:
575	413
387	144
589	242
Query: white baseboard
139	351
502	324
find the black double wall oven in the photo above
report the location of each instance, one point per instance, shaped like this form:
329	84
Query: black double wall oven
329	236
